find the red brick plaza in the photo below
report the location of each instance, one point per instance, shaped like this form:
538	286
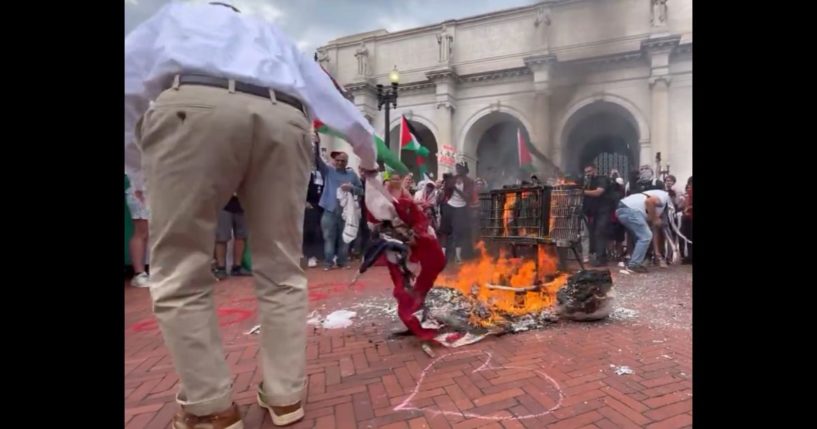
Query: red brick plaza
631	370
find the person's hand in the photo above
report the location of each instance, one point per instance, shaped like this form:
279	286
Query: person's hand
346	186
657	222
309	205
367	173
139	196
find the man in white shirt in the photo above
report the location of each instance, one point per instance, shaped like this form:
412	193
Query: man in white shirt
233	97
638	212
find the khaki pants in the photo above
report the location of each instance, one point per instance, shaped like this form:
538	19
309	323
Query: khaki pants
199	145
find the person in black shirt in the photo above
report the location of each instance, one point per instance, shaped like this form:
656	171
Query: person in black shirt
313	236
617	232
597	207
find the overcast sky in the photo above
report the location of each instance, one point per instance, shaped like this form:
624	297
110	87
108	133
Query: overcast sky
314	22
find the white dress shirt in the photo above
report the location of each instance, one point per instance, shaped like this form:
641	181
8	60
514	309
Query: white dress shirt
215	41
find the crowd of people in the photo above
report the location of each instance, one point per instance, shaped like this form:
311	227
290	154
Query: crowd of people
611	231
630	222
218	102
231	225
450	203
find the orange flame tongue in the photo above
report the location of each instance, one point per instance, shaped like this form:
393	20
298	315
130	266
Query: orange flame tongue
478	277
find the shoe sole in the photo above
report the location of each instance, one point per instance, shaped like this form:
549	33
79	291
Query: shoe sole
286	419
237	425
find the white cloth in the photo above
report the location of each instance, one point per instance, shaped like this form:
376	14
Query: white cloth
379	202
214	40
350	214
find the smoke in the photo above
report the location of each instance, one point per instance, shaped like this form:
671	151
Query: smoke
498	157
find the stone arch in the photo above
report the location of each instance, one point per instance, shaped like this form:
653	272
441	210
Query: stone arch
608	122
469	135
573	115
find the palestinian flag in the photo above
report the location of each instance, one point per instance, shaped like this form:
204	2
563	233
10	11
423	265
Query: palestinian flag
409	141
525	161
384	155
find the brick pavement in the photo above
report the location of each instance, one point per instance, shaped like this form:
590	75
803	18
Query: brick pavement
561	377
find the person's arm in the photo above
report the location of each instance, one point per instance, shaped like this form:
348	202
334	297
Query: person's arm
322	166
593	192
326	103
599	190
357	187
652	214
140	88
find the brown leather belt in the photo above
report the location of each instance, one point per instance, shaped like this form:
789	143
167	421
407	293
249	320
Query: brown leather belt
246	88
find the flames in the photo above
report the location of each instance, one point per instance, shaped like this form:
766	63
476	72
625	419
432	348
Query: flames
492	281
507	212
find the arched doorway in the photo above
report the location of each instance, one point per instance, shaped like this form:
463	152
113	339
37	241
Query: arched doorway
497	153
603	133
426	138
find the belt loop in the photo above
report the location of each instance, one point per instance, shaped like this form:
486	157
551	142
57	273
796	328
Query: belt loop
231	86
272	97
176	82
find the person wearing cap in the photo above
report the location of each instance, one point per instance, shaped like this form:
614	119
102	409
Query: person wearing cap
234	99
337	175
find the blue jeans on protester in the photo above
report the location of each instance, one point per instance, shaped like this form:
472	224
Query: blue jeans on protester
636	222
332	227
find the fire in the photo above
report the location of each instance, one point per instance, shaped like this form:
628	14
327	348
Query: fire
492	281
507	212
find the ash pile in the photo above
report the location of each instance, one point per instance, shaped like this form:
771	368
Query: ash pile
587	296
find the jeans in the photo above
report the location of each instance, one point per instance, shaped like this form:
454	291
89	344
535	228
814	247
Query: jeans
636	223
332	226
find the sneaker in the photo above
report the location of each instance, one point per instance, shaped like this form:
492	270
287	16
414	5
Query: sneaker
140	280
220	273
312	263
662	263
327	267
240	271
637	269
229	419
281	416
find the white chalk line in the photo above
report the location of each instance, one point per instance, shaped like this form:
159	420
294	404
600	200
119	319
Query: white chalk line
406	404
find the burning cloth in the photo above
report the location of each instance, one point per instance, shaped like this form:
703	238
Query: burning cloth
413	256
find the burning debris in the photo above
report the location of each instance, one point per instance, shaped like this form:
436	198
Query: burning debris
506	295
587	296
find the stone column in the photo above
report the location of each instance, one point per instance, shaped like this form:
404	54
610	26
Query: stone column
542	131
658	50
659	112
445	81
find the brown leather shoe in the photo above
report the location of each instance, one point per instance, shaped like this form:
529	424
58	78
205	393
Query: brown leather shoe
227	419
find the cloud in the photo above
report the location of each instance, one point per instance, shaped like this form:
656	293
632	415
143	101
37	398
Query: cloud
313	23
392	24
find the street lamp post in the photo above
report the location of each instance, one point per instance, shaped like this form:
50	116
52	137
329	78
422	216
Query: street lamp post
388	97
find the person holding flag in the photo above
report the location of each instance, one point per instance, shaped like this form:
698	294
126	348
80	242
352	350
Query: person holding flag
233	102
